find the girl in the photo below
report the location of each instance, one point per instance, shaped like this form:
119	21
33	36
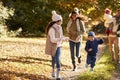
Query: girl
54	42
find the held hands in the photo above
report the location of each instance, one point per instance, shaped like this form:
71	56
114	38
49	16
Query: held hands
65	38
78	38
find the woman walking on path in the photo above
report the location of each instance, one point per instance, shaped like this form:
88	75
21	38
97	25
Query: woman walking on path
54	42
75	29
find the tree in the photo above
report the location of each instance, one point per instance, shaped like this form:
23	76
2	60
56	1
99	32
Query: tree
34	15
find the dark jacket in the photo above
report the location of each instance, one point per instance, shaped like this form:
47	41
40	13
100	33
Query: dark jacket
94	45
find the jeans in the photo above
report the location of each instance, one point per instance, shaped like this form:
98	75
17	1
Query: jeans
56	59
72	50
91	60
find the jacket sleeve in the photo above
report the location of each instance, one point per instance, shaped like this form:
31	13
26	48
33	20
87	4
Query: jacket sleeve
87	46
100	41
82	27
84	30
68	25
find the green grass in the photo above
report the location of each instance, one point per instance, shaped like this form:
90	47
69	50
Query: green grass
103	69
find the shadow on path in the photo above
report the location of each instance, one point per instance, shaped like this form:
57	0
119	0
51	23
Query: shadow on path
26	60
8	75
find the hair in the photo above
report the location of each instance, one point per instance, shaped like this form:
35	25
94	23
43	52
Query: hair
78	17
73	13
118	10
50	24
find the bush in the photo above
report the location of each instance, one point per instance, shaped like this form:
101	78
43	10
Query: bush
100	28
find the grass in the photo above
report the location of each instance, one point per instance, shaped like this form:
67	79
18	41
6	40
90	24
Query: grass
103	69
24	59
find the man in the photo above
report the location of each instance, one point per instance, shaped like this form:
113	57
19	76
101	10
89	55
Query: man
112	37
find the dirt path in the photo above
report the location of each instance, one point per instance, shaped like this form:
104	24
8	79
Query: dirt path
72	75
31	52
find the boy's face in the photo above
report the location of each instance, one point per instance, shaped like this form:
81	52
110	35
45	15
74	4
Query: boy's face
91	38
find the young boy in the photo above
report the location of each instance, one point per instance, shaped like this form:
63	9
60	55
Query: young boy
92	48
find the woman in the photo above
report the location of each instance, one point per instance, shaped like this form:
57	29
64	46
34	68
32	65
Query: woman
54	42
75	29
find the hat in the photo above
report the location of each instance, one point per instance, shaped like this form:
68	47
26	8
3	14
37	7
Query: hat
107	11
91	33
55	16
76	10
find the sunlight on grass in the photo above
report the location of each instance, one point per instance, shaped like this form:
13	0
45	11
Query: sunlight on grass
103	69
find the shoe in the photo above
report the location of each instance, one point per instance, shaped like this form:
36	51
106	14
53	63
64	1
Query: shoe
79	59
86	65
53	73
75	68
91	69
58	74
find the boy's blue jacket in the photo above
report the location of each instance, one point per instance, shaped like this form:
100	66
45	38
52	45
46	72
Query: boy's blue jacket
94	45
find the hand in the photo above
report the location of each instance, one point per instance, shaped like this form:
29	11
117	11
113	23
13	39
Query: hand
90	49
118	32
65	38
78	38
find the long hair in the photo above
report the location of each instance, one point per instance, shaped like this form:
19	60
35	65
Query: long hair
50	24
78	17
73	13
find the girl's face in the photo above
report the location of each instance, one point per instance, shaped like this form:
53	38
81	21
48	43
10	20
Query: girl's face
73	16
59	22
91	38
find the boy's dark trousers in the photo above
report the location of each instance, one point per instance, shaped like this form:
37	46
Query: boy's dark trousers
91	60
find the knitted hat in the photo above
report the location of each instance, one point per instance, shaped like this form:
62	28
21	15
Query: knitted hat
91	33
107	11
55	16
76	10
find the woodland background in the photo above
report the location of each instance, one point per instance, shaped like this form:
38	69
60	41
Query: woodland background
28	18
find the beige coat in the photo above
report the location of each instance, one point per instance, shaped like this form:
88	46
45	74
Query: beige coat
51	46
